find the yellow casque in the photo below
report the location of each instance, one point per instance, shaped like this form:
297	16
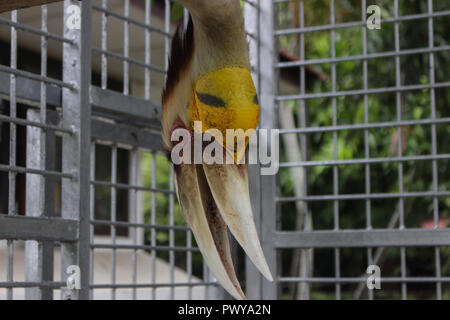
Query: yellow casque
225	99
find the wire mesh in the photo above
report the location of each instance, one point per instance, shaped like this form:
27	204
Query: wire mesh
328	207
29	126
337	208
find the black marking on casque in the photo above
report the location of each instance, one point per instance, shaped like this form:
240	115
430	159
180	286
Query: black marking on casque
255	99
180	57
210	100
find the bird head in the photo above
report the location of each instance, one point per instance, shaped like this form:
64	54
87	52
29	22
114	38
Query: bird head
209	82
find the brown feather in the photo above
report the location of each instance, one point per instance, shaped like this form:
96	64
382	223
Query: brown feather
180	58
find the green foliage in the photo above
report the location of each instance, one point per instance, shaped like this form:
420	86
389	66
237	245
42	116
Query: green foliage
381	142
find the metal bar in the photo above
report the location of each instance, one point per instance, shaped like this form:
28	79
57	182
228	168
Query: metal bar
363	238
34	228
364	57
366	136
206	277
12	151
153	222
189	260
76	150
253	278
366	125
304	146
33	76
434	144
363	92
29	90
360	23
126	59
146	26
42	284
140	205
36	31
113	211
127	135
49	208
35	193
437	262
403	272
343	280
152	285
364	161
92	217
139	225
337	259
364	196
133	169
13	114
132	123
398	98
268	121
126	48
370	261
9	269
143	247
148	17
36	124
167	31
125	106
16	169
172	233
433	114
104	72
131	187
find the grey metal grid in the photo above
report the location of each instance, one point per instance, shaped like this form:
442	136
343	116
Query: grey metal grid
41	125
96	123
92	122
373	240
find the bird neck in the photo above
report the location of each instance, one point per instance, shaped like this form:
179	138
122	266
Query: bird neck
220	41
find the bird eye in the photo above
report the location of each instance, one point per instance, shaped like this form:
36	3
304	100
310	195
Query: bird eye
210	100
255	99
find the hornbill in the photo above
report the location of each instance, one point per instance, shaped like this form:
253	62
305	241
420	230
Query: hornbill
209	80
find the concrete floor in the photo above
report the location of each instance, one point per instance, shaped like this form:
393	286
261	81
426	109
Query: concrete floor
102	274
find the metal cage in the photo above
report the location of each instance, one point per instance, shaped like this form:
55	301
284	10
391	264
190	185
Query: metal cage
370	240
81	153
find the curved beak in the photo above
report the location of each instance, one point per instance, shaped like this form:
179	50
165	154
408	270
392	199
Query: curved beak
213	197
